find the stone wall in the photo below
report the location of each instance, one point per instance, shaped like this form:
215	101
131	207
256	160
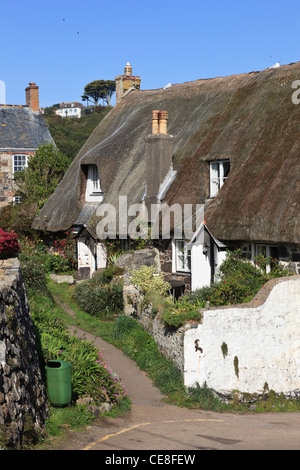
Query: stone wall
23	396
8	186
169	341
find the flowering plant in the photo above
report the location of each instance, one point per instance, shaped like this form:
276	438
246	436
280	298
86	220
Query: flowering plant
8	244
66	251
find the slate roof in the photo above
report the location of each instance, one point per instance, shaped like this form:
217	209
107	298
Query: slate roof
21	128
249	118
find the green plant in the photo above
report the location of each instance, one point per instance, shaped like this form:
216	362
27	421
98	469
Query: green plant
238	280
44	171
34	273
74	417
103	301
177	316
65	252
204	398
147	278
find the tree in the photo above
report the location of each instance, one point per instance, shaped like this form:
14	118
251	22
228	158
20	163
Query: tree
45	170
99	90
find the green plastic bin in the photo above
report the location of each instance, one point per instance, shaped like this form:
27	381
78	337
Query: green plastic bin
59	382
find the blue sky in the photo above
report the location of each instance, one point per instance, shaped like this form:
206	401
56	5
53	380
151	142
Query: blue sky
64	44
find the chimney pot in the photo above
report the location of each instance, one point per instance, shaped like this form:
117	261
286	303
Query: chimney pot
128	70
155	114
162	122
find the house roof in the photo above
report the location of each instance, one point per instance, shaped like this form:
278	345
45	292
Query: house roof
71	104
21	128
248	118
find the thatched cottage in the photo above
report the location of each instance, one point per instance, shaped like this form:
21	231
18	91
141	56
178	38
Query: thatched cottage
229	145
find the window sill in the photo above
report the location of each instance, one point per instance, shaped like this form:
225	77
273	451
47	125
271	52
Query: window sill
181	272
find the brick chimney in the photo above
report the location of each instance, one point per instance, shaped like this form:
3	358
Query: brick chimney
32	96
159	147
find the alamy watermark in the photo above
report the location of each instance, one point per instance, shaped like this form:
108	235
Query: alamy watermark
157	222
296	94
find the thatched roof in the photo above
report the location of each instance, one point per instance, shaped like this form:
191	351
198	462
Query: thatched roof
248	118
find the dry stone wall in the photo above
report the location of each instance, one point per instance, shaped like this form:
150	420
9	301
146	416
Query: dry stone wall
169	340
23	396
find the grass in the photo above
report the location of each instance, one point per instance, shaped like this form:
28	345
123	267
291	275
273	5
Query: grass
68	417
83	320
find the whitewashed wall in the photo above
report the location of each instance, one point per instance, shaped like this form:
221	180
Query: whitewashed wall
200	265
263	336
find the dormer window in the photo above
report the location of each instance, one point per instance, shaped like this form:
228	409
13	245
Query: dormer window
93	191
219	171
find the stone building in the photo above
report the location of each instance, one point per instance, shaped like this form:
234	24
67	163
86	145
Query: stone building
22	131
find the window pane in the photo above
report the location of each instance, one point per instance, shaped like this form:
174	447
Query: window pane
183	256
95	178
180	255
19	162
214	178
218	174
226	169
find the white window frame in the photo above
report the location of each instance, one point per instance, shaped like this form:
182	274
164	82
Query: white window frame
93	186
182	256
17	200
22	166
265	250
217	175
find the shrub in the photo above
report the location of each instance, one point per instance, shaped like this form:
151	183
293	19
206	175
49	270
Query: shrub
64	258
238	280
34	274
106	275
148	279
9	245
101	296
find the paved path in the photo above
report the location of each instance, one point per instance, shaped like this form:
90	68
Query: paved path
152	424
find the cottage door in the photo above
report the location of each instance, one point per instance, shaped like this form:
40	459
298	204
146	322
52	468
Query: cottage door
85	256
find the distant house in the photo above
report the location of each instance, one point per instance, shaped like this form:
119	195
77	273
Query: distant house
22	131
72	109
232	146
